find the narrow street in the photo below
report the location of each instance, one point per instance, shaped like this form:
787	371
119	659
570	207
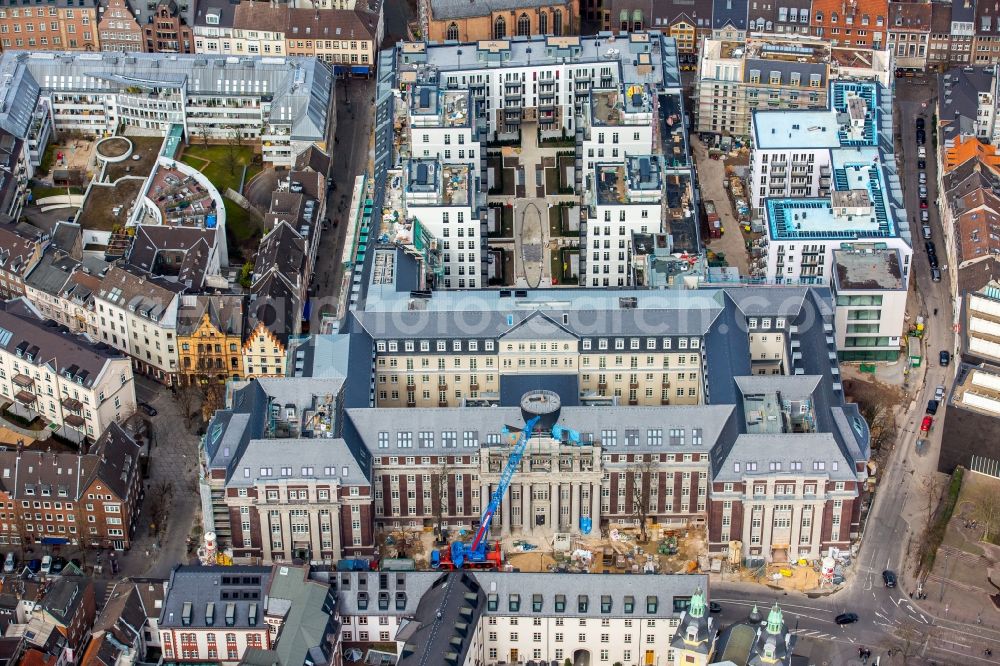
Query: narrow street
350	156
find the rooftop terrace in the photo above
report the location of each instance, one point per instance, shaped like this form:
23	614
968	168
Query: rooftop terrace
181	199
867	269
792	219
612	107
107	206
428	181
448	108
640	179
778	49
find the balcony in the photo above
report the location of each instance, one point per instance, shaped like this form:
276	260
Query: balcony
75	421
72	405
474	386
25	398
24	381
442	403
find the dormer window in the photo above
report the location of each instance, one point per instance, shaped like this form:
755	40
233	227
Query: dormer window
212	19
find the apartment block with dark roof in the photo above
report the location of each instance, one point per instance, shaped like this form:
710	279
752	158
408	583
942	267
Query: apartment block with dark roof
70	604
19	253
67	381
89	500
909	34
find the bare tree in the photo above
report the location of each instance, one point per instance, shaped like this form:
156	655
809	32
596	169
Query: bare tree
158	504
907	645
881	423
439	492
187	398
234	141
987	512
213	397
641	474
202	131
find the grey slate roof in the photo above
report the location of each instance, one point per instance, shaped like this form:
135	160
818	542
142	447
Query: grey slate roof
730	11
485	421
806	448
785	69
307	607
456	9
180	253
52	272
200	586
50	344
958	99
328	458
447	617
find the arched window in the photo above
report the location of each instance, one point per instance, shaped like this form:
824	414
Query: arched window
557	23
523	25
543	24
453	32
499	28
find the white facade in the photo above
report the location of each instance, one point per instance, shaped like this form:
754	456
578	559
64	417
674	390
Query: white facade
788	173
77	407
145	329
618	211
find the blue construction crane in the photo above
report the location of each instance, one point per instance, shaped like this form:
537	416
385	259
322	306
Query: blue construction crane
477	554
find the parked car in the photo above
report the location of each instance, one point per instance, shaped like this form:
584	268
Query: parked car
944	358
922	191
921	153
929	246
714	607
921	164
923	203
148	408
889	578
933	260
932	407
846	618
939	392
920	123
296	186
927	231
922	177
935	275
58	564
10	563
926	424
924	216
921	137
46	564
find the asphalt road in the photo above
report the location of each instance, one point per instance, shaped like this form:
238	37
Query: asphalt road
918	631
350	158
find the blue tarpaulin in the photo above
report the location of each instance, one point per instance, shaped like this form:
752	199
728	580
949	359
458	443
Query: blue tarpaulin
55	541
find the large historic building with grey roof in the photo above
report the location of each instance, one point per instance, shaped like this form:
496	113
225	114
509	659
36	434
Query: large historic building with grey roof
722	408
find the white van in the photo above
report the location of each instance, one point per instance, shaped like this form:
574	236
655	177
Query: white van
9	563
46	564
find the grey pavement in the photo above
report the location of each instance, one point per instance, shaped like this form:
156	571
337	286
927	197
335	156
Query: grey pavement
350	155
173	458
711	174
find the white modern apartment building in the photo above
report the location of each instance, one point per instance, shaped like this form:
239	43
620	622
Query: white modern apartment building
619	122
625	198
62	378
543	79
441	126
441	205
281	102
824	186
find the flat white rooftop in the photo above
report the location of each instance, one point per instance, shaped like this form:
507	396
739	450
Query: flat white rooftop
796	129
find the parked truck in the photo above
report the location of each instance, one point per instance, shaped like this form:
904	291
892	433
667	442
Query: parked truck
714	222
